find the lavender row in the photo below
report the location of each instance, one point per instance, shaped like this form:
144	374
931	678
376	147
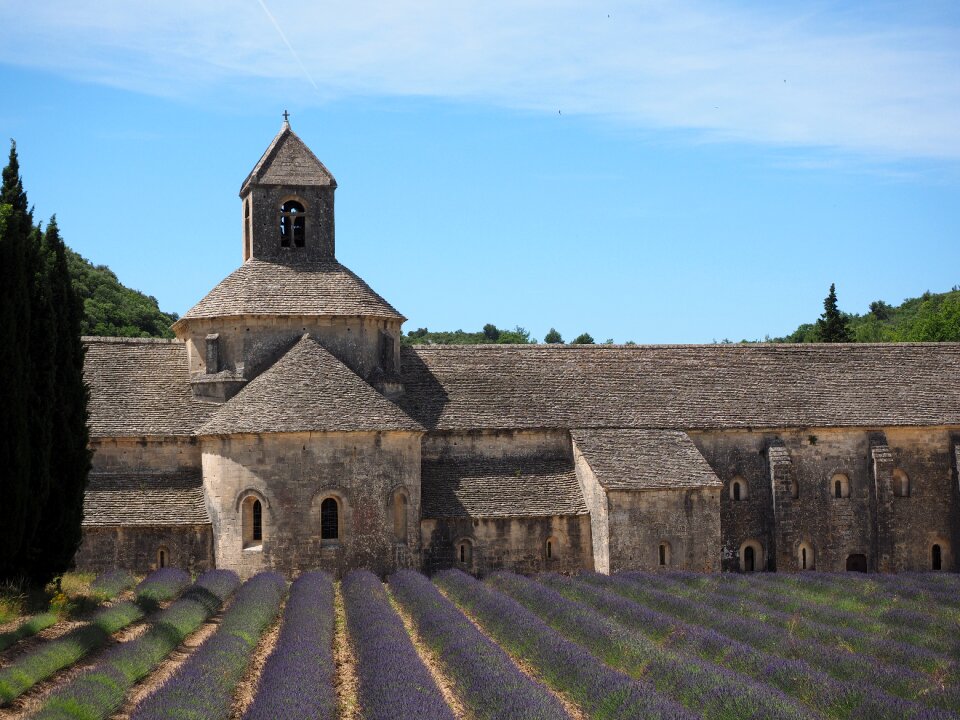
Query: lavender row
822	628
28	628
297	682
161	585
100	691
601	691
488	681
768	635
814	688
203	686
44	660
703	687
110	584
393	680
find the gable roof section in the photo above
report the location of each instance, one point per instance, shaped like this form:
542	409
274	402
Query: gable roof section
682	387
140	387
644	459
259	287
307	390
500	487
288	161
145	499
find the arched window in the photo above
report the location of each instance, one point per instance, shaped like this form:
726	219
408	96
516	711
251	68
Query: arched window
840	486
163	557
901	483
465	552
399	503
751	556
936	558
663	554
739	489
805	556
252	517
293	224
329	519
551	549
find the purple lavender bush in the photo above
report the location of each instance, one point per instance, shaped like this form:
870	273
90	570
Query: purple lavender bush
394	682
601	691
161	585
485	677
203	686
112	583
706	688
99	692
297	682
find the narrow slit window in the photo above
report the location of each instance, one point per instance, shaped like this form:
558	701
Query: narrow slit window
257	521
936	558
329	520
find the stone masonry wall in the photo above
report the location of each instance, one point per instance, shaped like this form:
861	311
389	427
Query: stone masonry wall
598	505
254	342
136	454
135	548
689	520
517	544
292	474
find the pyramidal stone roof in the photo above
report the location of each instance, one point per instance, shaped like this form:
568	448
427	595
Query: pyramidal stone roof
140	387
259	287
644	459
307	390
682	387
288	161
500	487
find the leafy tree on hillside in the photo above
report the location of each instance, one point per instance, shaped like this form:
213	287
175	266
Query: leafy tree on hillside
489	334
583	339
833	326
553	337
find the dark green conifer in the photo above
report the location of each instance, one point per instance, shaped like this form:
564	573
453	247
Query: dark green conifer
833	326
553	337
59	532
17	257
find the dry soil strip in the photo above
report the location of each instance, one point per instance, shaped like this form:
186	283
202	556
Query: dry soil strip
247	687
346	663
430	659
568	705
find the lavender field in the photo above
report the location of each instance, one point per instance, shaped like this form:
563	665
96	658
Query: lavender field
629	645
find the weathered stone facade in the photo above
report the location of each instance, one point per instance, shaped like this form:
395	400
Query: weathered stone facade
286	428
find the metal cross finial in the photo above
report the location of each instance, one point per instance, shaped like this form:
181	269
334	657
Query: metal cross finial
286	117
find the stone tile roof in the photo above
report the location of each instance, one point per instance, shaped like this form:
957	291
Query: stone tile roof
644	459
259	287
288	161
500	487
307	389
145	498
140	386
682	387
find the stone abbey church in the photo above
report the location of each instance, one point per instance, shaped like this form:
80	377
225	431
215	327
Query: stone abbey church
287	428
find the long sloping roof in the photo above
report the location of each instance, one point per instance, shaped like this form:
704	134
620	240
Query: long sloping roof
682	387
644	459
306	390
288	161
500	487
140	387
259	287
145	498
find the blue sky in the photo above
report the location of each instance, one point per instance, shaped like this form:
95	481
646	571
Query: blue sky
648	171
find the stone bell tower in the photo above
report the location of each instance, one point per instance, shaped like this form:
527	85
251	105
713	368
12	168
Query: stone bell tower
289	284
288	204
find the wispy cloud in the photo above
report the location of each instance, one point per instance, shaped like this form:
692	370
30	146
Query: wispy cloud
878	86
286	41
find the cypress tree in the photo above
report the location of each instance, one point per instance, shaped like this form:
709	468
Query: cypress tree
59	533
17	258
833	326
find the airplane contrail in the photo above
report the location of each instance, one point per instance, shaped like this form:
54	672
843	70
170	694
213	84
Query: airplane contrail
289	46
